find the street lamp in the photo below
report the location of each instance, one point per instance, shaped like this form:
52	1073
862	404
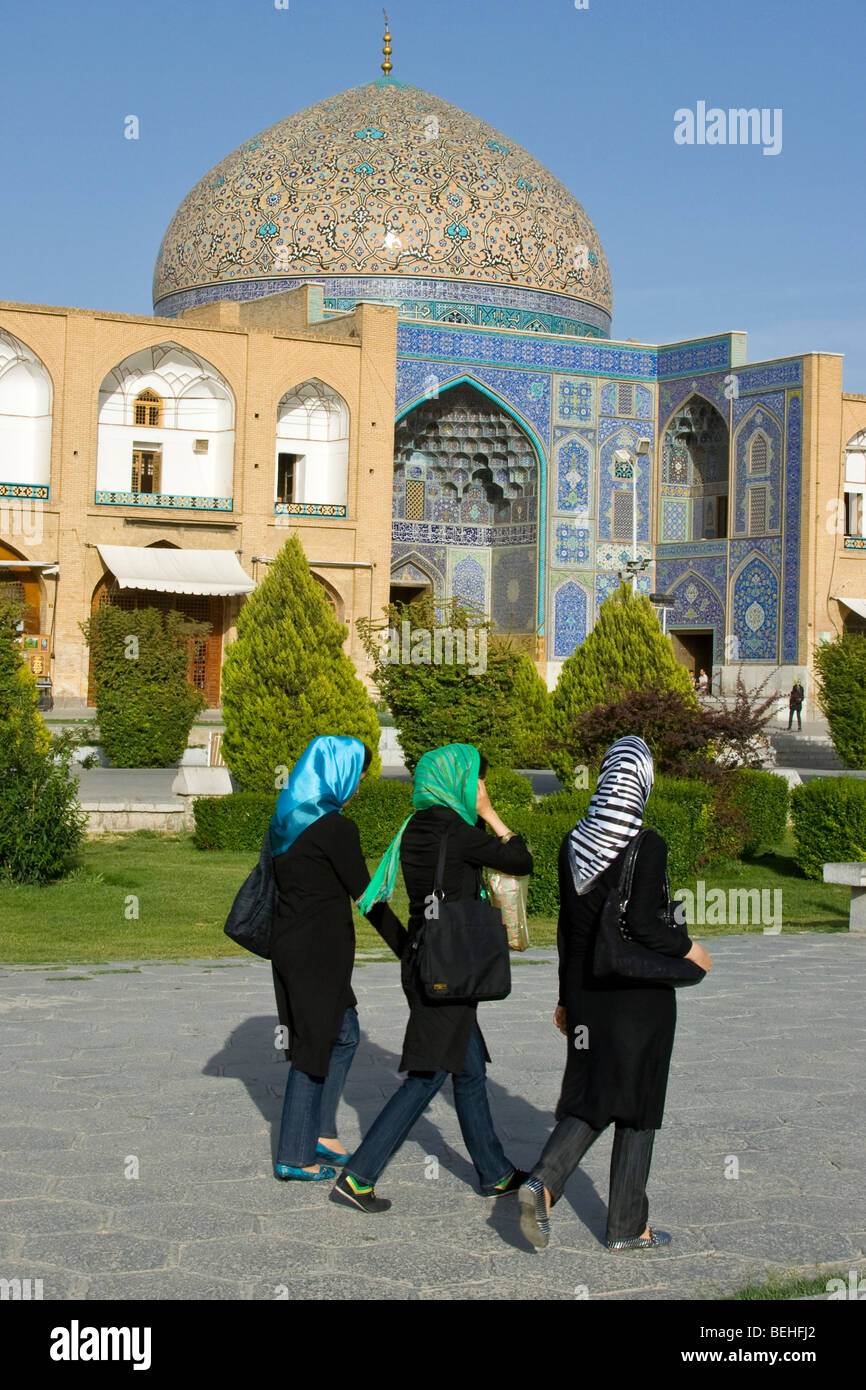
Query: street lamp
625	466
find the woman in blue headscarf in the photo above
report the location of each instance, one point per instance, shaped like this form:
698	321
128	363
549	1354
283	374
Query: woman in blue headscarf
320	871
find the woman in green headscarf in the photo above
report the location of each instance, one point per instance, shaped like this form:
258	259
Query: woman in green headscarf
441	1039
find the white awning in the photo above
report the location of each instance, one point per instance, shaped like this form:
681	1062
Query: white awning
857	605
176	571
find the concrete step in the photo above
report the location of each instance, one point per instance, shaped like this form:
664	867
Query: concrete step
805	750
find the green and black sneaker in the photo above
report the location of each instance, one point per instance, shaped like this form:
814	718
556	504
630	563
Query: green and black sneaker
358	1194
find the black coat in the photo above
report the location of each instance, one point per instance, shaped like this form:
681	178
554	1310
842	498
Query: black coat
437	1035
313	939
620	1072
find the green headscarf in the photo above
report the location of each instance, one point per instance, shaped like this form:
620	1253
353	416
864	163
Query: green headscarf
443	777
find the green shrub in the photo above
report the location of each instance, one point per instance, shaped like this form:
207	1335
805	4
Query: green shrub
509	791
840	666
286	678
829	815
378	809
684	825
145	705
237	821
566	802
497	702
41	823
763	799
625	651
544	835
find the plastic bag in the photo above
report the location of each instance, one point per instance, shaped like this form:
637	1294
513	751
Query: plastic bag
510	894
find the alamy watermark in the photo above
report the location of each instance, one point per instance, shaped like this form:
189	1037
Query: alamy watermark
443	646
740	125
736	907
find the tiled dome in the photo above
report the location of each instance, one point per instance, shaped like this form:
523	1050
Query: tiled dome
387	192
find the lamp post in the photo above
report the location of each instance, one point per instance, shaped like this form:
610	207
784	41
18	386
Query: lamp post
625	466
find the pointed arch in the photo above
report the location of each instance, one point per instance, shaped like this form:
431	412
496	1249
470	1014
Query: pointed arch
26	407
539	462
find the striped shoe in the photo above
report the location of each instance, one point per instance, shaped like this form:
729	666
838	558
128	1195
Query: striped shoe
350	1192
534	1221
650	1242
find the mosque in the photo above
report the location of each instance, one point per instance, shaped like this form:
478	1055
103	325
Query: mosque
400	321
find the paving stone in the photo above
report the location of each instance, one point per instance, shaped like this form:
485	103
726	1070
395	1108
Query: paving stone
98	1253
766	1067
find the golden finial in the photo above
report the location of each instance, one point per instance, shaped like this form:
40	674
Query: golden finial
387	65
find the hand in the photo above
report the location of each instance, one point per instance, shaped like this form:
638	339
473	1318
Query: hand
700	956
485	810
559	1019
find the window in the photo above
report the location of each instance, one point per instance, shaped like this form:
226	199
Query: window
148	409
757	511
854	511
200	446
286	476
622	516
414	500
758	454
147	470
624	398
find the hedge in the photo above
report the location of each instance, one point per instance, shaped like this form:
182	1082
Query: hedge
764	799
829	815
239	821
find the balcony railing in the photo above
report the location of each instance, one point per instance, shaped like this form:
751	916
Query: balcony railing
163	499
309	509
39	492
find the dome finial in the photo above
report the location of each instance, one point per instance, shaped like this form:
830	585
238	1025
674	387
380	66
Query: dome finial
387	65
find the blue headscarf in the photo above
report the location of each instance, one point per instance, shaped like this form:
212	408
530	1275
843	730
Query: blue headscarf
326	774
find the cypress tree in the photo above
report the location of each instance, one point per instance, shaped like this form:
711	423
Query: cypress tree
840	666
286	679
626	650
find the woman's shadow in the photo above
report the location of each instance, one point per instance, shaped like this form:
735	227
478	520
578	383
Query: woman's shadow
250	1056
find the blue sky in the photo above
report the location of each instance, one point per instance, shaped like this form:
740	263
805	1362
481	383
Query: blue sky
700	238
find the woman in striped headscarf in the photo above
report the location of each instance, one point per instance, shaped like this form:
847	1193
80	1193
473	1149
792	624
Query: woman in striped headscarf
620	1037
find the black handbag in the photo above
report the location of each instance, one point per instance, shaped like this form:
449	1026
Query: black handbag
617	954
251	919
462	947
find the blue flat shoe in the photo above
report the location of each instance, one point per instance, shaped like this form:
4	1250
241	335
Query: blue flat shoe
286	1173
332	1155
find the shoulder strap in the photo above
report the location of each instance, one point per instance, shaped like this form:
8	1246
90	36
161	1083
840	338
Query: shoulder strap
627	874
440	863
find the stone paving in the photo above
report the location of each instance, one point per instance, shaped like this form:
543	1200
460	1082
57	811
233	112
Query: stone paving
170	1071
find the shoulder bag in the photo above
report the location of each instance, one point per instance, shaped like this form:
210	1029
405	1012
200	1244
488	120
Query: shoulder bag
251	919
617	954
462	947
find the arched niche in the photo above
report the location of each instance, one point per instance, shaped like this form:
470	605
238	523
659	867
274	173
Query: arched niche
166	428
312	447
25	417
695	470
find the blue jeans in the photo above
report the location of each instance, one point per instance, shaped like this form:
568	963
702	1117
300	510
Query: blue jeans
392	1125
310	1104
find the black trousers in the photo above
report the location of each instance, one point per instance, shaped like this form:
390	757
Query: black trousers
630	1160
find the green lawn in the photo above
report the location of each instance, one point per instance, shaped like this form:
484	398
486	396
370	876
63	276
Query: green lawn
183	897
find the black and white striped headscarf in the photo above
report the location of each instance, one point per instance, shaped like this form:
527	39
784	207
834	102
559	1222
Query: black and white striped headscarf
615	812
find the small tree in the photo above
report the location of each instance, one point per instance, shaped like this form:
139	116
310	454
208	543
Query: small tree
841	669
145	705
20	720
445	679
41	823
625	651
286	679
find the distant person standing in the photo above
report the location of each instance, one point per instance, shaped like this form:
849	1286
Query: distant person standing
703	682
795	705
